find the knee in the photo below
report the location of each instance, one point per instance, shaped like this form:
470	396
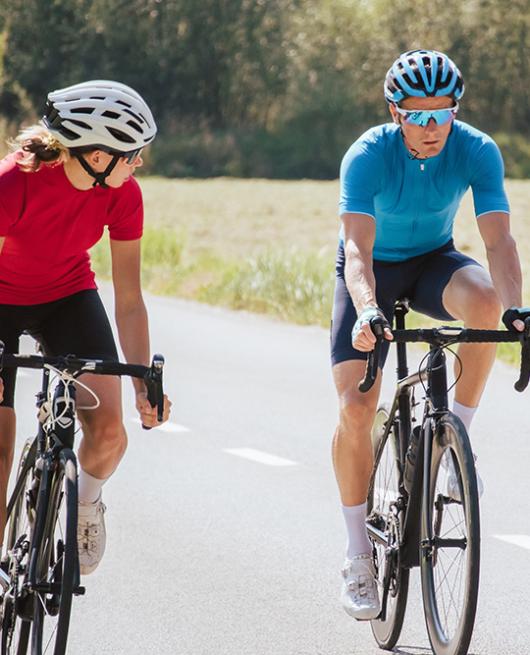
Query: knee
485	310
356	418
108	434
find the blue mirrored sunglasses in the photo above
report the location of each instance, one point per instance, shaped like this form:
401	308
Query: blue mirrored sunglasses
422	117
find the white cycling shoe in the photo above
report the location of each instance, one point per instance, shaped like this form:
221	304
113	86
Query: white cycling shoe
360	597
91	535
452	486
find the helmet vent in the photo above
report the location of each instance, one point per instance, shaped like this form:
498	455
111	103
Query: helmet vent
110	114
137	117
68	134
121	136
85	126
82	110
135	126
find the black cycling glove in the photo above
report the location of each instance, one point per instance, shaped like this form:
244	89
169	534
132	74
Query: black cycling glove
514	314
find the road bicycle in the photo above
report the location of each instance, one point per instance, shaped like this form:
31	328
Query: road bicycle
423	503
39	572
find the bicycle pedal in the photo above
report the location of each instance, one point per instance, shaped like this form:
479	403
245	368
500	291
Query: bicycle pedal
79	591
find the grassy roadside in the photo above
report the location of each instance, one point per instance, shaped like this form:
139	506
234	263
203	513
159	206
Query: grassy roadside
268	246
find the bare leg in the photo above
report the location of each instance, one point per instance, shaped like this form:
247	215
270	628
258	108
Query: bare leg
104	438
471	297
352	446
7	447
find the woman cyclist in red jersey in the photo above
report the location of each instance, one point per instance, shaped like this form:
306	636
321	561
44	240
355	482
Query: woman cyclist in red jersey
67	180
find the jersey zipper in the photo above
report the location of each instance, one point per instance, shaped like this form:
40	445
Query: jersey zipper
421	181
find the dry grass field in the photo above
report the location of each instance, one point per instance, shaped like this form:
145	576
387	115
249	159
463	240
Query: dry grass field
240	218
266	245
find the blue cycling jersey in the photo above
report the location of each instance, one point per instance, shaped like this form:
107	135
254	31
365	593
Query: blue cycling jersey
414	201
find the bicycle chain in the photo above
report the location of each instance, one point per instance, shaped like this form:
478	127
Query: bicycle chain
12	618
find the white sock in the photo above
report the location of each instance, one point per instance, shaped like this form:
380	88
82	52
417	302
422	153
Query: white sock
465	414
358	542
88	487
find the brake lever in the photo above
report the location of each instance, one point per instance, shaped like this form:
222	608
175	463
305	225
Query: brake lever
155	391
524	374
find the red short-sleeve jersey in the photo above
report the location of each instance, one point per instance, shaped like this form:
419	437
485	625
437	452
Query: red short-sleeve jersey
49	226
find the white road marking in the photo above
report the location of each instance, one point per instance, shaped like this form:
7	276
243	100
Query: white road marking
168	426
260	456
522	540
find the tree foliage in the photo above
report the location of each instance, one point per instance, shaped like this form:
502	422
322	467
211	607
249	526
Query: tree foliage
264	87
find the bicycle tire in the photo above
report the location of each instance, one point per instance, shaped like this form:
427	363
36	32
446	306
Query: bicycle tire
386	632
15	629
56	560
450	441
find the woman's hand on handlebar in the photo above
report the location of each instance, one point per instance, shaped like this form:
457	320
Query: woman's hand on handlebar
363	337
148	413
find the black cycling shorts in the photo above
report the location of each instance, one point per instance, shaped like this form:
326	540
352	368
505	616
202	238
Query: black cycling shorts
75	325
421	279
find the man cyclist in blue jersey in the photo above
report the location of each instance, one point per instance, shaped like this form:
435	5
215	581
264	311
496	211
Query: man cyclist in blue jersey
401	185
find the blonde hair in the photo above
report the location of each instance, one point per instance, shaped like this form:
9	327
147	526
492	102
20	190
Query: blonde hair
35	146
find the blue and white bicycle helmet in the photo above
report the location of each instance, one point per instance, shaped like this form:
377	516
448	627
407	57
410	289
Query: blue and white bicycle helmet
423	74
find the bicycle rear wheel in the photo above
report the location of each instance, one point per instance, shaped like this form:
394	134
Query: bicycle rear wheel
450	537
56	563
17	602
393	580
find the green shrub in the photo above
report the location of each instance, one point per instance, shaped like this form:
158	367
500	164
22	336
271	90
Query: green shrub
515	150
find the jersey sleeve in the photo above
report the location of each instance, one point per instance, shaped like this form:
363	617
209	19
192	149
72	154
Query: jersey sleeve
359	179
487	181
126	213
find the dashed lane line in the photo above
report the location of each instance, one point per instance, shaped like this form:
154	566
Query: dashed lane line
168	426
260	456
522	540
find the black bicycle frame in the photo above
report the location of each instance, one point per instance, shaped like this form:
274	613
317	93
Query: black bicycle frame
433	376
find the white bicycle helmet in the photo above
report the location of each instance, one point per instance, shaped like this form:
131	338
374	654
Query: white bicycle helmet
100	113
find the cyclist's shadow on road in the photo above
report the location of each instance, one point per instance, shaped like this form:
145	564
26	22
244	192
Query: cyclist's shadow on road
415	650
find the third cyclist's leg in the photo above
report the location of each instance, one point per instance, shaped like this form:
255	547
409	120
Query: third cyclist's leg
353	461
103	445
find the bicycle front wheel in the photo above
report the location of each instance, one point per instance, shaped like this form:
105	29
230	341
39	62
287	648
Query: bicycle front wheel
450	540
56	563
392	578
17	603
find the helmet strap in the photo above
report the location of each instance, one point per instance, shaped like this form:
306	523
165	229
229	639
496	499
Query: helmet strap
99	178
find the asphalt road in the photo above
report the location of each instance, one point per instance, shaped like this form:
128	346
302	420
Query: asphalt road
225	535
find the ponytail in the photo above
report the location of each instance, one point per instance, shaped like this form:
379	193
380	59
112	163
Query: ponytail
35	146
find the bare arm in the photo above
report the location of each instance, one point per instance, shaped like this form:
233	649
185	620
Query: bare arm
131	319
359	238
2	239
503	259
130	312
